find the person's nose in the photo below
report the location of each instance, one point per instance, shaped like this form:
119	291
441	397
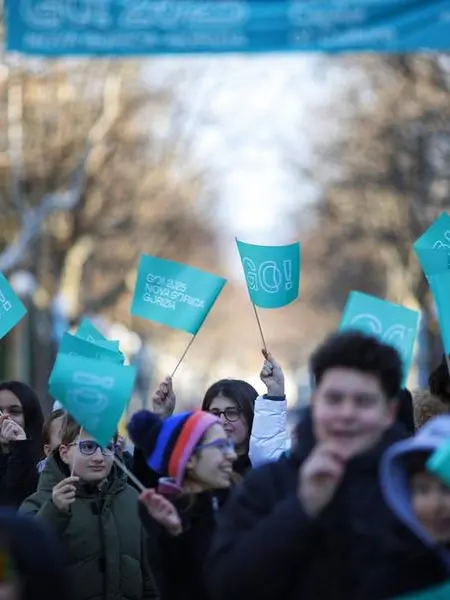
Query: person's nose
98	455
347	409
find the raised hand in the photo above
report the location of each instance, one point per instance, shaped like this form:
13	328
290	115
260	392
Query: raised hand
10	431
164	399
272	375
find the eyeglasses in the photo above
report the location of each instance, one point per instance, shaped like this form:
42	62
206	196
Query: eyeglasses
231	414
224	445
89	447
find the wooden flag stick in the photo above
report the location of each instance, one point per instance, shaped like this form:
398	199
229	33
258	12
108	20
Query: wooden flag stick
78	450
129	474
183	355
260	328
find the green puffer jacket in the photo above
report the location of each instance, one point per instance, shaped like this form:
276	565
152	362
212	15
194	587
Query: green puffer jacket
102	533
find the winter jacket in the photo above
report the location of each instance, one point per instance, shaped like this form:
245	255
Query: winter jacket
102	534
268	438
427	406
178	561
18	473
267	547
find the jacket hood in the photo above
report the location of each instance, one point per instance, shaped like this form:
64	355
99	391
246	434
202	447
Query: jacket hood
55	471
394	474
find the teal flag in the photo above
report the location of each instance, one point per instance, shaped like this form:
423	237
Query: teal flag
174	294
87	331
439	463
440	287
272	273
437	592
75	346
391	323
433	260
436	238
12	309
95	392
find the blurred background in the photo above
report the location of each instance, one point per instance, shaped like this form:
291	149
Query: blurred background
103	160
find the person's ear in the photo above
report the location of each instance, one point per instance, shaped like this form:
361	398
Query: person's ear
393	407
192	464
64	453
47	449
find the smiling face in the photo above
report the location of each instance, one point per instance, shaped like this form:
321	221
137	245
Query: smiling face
234	422
92	465
431	503
211	466
350	408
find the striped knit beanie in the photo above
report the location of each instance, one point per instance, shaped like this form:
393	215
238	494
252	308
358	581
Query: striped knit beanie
168	444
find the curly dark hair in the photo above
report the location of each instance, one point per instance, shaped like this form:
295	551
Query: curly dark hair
361	352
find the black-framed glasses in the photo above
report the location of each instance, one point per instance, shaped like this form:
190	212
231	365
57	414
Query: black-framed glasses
225	445
89	447
231	413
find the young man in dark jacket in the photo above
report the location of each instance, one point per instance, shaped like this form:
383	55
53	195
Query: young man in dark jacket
314	525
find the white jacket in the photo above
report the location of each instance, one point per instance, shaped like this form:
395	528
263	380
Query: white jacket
269	437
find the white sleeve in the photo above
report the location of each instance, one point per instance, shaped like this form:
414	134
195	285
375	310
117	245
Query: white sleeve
269	437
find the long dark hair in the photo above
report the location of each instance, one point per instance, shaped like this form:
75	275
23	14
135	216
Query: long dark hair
32	412
241	392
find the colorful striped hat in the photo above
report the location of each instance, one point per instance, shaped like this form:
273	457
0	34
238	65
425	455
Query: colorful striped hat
168	444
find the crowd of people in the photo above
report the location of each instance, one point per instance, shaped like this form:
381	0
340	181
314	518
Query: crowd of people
236	505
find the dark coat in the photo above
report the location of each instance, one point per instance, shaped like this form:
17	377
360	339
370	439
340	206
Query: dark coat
18	473
267	547
178	561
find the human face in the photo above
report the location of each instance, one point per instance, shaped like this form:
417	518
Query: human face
431	503
211	467
350	409
55	436
85	458
10	405
234	423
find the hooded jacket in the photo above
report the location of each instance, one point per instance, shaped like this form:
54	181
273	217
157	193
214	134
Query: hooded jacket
267	547
102	534
416	552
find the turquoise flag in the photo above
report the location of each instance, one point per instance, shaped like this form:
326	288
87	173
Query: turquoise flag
440	288
439	463
75	346
433	246
95	392
391	323
437	592
272	273
174	294
12	309
87	331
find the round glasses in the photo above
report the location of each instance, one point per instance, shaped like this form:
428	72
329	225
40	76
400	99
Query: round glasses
89	447
231	414
226	446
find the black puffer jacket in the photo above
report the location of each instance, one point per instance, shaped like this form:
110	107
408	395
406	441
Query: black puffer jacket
266	547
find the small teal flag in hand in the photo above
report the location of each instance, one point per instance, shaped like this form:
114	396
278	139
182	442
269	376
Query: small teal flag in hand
87	331
392	323
95	392
433	247
440	288
174	294
12	309
272	273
